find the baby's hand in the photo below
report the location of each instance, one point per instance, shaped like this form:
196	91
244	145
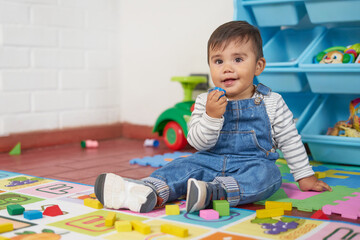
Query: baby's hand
216	105
313	184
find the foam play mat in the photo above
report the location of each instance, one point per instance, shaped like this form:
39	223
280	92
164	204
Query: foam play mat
78	221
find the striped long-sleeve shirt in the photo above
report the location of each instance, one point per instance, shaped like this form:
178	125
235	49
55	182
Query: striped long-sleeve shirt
204	132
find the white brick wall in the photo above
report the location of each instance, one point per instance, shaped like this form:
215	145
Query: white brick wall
57	64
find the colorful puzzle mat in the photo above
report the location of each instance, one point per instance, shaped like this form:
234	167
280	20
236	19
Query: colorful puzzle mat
81	222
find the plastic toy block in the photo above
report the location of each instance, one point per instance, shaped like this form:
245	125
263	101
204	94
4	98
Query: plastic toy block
53	211
221	206
4	238
287	206
93	203
110	219
123	226
174	230
15	209
265	213
89	144
209	214
172	209
141	227
6	227
33	214
320	175
16	150
319	214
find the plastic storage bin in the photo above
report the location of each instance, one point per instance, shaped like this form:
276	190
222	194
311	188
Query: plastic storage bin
284	79
283	53
333	78
289	45
270	13
334	149
324	11
302	110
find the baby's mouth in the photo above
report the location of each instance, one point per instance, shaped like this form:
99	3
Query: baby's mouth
228	81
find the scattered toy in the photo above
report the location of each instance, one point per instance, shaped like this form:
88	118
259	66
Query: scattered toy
33	214
222	207
151	143
123	226
89	144
287	206
319	214
6	227
172	209
15	209
209	214
141	227
174	230
16	150
110	219
93	203
265	213
53	211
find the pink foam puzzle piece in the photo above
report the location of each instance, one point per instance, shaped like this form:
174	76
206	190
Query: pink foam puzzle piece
347	209
293	192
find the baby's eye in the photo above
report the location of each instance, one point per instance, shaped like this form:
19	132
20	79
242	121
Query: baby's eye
218	61
238	60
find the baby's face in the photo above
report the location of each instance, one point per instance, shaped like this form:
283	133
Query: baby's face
233	68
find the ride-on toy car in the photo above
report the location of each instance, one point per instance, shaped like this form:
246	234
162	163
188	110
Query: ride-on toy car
172	123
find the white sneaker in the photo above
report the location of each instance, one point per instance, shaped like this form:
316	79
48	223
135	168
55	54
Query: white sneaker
116	192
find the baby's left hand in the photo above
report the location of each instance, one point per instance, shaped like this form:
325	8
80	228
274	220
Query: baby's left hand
313	184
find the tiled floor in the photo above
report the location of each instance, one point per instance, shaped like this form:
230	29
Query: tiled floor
72	163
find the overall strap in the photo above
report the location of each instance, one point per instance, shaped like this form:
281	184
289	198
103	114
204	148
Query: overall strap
262	89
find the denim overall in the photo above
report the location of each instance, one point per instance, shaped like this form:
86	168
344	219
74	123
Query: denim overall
242	161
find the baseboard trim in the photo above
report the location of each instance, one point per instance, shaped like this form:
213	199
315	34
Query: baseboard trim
38	139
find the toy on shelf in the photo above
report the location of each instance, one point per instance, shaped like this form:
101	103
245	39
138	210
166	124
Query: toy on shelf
172	123
335	55
350	127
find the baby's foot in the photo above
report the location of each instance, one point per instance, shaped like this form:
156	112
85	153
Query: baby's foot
116	192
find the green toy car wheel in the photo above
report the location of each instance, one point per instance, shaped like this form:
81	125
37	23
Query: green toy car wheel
174	136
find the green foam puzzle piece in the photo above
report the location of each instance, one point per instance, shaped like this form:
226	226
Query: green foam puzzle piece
16	150
315	202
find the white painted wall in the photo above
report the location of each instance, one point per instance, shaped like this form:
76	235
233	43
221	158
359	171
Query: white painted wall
68	63
160	39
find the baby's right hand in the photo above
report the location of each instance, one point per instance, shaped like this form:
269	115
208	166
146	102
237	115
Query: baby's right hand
216	105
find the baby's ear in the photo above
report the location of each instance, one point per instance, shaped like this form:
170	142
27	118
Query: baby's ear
260	66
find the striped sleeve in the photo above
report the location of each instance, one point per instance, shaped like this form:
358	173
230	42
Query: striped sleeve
203	129
288	139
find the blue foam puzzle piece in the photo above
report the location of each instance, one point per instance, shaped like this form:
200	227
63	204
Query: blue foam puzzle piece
158	160
33	214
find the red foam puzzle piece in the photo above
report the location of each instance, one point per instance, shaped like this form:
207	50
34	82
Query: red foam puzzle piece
319	214
53	211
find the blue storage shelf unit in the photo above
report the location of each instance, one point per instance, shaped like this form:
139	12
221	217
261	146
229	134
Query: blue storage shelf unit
335	149
294	32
